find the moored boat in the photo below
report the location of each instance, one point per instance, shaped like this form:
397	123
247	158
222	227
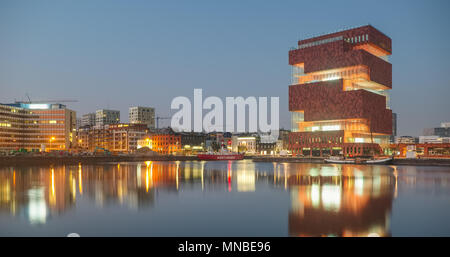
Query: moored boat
340	160
379	161
220	156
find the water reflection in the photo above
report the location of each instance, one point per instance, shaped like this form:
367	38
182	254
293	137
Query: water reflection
341	201
325	200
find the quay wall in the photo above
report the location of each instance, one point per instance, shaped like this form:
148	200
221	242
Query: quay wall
60	160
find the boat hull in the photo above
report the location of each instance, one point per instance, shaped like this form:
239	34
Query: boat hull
354	161
340	161
220	157
380	161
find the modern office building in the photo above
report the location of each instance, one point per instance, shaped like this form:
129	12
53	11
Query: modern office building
18	128
53	125
339	93
88	119
106	117
57	126
145	115
442	131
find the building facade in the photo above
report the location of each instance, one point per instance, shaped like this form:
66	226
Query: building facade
121	137
78	123
266	148
245	144
434	140
394	128
168	143
406	140
55	125
88	119
339	97
421	150
18	128
145	115
442	131
216	140
192	141
106	117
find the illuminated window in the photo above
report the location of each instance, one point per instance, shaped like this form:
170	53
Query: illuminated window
331	127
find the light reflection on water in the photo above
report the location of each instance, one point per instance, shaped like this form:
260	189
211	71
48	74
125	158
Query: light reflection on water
238	198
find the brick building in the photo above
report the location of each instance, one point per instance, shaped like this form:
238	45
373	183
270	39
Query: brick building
339	97
121	137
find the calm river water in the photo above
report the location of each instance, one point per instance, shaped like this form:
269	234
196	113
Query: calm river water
238	198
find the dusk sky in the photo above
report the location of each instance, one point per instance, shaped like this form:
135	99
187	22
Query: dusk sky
117	54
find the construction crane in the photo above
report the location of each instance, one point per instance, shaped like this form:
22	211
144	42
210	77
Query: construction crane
160	118
49	101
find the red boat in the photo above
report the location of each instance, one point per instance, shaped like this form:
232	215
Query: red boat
221	156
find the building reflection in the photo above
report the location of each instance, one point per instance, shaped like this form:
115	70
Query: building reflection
325	200
36	193
341	201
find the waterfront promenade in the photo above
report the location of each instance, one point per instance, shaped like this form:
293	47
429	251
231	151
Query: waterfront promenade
59	160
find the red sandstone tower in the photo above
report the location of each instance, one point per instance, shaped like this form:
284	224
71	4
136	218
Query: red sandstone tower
339	93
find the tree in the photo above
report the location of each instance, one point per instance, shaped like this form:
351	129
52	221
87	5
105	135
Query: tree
242	148
215	146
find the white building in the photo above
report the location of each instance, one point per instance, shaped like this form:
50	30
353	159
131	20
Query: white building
405	140
145	115
243	144
411	152
433	140
445	125
106	117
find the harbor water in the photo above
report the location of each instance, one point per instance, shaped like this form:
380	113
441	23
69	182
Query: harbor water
224	198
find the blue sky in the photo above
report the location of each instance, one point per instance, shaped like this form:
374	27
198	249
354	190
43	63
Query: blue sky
115	54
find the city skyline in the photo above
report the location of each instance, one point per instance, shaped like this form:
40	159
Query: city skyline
118	55
244	121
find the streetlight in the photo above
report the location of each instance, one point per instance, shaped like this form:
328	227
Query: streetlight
51	140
